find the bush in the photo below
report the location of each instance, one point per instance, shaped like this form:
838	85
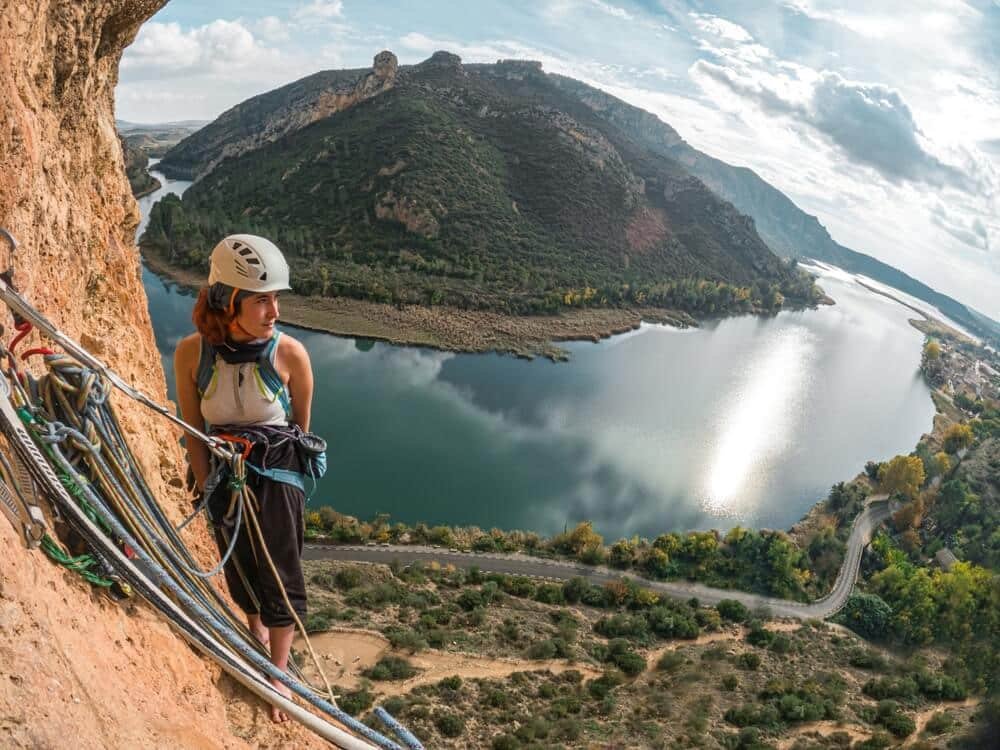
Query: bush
939	723
730	682
748	660
317	622
391	668
451	683
470	599
355	702
549	593
671	661
603	685
732	610
542	650
449	724
867	659
348	578
406	639
505	742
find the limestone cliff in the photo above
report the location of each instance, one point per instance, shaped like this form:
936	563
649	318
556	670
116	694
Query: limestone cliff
76	668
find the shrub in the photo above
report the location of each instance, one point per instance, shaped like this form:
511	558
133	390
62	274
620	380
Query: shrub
451	683
939	723
348	578
867	659
732	610
449	724
603	685
505	742
316	622
730	682
406	639
470	599
391	668
748	660
671	661
356	701
542	650
549	593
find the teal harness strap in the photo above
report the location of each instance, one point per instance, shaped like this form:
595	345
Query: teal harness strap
285	476
206	366
269	375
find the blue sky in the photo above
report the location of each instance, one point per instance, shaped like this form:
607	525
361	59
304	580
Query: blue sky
881	118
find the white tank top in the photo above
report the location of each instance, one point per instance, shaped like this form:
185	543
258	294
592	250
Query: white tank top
237	395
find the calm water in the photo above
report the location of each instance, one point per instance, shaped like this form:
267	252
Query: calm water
743	421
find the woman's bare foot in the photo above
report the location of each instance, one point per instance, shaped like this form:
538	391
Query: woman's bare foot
277	715
260	632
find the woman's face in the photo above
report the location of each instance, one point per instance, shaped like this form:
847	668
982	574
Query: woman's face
258	314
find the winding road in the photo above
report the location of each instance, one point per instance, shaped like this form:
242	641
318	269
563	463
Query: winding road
876	511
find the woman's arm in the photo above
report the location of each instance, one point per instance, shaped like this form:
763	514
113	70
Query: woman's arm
300	381
185	362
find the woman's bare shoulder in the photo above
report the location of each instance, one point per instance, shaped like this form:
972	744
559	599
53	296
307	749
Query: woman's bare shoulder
291	347
188	351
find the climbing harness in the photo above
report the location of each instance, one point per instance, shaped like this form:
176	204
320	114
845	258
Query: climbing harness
66	445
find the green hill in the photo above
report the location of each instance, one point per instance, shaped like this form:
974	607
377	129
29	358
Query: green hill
482	186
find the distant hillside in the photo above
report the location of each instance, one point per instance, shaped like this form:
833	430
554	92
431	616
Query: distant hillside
136	163
786	228
480	186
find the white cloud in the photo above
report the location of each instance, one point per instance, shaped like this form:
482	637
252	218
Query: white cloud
220	47
612	10
722	28
272	29
319	10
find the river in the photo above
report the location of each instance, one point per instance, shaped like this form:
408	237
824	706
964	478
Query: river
742	421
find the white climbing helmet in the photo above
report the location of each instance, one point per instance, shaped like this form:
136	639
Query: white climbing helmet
248	262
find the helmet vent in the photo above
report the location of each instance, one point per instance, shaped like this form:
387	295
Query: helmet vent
263	276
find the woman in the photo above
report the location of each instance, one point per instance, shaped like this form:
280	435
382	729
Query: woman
238	376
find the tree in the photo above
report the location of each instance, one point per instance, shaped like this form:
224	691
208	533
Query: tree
903	474
956	437
868	615
943	462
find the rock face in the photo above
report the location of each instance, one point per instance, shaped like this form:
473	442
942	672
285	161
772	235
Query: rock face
75	667
283	111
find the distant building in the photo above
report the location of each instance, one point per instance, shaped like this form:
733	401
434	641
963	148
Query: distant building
946	559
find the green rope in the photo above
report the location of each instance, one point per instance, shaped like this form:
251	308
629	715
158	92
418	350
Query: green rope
82	564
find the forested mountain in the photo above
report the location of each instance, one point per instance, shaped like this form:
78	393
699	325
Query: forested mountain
481	186
787	229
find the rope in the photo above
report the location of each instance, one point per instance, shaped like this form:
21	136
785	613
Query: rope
82	564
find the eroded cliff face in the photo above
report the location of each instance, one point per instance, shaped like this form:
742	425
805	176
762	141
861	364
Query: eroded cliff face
75	668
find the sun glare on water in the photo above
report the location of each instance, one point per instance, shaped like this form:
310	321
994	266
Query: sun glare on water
757	422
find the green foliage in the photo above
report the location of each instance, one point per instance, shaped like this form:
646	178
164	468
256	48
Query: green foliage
868	615
356	701
449	724
732	610
391	668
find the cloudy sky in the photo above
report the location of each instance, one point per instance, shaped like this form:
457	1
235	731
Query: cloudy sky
881	118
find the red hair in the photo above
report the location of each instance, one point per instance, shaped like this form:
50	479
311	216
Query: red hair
211	323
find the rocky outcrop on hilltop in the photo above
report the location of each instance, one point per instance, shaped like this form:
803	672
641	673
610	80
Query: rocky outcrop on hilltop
76	668
277	113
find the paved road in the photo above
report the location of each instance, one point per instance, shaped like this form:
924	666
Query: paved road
876	511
